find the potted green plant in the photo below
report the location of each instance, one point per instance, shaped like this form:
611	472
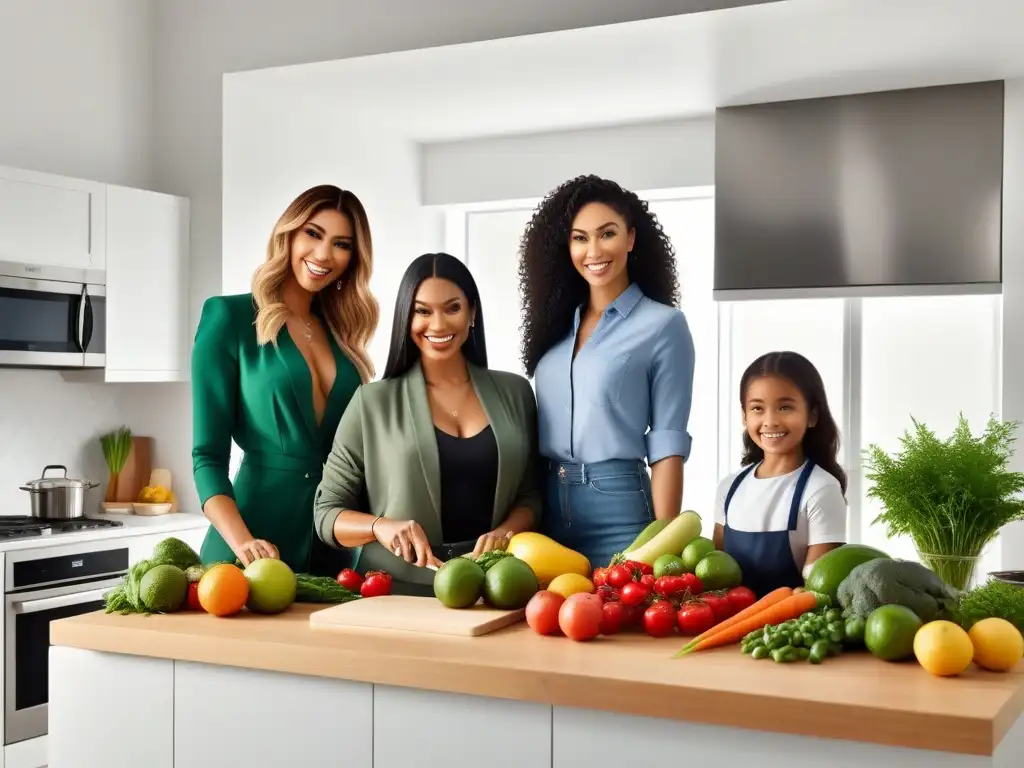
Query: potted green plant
951	497
116	446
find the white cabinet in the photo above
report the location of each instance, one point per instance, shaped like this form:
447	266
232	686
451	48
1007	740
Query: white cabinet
48	220
412	726
147	261
257	719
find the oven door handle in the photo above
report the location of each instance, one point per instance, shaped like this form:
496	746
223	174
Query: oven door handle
61	601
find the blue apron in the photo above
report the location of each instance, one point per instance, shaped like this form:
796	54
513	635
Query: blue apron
766	557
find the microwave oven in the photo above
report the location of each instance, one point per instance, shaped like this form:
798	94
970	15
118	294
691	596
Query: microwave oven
52	317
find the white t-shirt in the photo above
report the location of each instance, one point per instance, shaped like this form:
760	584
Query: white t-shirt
762	504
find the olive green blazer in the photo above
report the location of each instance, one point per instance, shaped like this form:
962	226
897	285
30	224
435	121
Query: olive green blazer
384	460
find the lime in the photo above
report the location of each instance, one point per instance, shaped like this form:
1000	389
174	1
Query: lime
272	585
889	632
509	584
668	565
718	570
694	552
458	582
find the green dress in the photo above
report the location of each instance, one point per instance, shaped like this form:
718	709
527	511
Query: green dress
260	397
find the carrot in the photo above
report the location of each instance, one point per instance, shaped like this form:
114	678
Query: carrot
773	597
788	608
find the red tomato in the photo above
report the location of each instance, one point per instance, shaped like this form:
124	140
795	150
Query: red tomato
692	583
619	576
648	581
580	616
634	593
193	597
375	584
660	619
668	586
694	618
542	612
633	615
740	598
350	579
613	615
636	565
599	577
720	607
607	594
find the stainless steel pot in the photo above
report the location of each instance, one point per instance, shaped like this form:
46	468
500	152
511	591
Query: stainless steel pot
57	498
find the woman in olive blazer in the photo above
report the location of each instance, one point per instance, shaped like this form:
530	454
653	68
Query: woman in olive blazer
438	458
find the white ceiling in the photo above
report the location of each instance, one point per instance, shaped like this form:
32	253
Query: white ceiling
680	66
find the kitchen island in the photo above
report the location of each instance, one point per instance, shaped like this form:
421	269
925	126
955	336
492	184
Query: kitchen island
189	690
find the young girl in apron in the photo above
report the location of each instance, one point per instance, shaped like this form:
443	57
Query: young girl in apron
787	506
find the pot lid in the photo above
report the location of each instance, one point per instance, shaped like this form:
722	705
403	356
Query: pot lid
45	483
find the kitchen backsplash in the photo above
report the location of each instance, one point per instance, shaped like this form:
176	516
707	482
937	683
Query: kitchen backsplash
46	420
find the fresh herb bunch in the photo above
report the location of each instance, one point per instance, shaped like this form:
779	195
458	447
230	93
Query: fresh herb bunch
951	497
116	447
993	599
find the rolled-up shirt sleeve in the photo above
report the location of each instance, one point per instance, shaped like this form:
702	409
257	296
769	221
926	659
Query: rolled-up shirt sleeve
671	382
344	480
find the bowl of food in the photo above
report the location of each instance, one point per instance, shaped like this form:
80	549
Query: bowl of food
152	508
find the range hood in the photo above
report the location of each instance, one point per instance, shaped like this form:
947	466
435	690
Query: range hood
888	193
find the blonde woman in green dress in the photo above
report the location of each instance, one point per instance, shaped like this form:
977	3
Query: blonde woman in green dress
273	371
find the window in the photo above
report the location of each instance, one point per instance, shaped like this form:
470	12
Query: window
689	223
930	358
492	253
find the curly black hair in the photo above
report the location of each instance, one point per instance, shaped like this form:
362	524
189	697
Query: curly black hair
550	287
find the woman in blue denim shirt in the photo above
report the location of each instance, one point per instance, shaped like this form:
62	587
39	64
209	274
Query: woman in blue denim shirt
612	358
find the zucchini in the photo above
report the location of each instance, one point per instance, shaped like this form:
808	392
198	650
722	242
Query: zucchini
671	540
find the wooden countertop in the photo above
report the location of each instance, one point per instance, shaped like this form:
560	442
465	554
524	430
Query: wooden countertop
851	697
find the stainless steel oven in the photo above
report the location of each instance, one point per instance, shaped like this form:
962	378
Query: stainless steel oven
52	317
42	585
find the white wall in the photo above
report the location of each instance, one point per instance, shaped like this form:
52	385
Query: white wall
75	100
276	157
662	155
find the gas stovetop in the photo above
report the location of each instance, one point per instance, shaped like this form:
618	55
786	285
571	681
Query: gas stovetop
23	527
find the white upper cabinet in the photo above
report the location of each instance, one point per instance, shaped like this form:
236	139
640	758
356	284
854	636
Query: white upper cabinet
48	220
147	286
134	241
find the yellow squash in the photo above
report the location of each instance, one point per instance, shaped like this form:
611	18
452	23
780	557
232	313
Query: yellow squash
547	557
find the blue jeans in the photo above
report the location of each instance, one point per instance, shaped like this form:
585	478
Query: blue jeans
597	509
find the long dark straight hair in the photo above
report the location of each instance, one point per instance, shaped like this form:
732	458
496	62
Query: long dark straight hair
821	442
404	353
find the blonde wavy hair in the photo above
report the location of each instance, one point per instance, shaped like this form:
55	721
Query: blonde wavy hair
352	311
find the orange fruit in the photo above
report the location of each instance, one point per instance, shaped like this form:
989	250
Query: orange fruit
223	590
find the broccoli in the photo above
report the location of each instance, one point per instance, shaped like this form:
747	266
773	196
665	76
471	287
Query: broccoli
172	551
895	582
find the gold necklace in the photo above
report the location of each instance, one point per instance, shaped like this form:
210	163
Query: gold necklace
453	411
308	332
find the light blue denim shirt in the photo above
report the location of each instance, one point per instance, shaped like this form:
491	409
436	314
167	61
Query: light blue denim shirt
627	394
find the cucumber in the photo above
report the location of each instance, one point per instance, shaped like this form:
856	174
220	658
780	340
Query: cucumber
671	540
648	533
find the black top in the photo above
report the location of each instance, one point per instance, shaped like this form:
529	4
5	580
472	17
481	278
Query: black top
469	477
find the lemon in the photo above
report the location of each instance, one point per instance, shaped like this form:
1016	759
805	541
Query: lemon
998	645
943	648
569	584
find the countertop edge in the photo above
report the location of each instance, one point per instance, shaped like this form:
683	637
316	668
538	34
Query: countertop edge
838	720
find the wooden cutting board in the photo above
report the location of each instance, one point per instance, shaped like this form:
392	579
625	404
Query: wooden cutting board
414	614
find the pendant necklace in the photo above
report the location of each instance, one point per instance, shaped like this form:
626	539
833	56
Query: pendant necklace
453	411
